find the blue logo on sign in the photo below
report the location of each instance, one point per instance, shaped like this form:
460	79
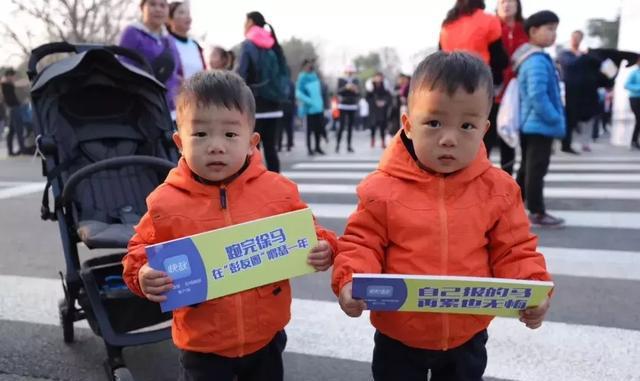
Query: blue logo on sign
379	291
177	267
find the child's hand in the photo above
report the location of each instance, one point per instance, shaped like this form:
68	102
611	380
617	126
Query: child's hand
154	283
320	256
352	307
533	317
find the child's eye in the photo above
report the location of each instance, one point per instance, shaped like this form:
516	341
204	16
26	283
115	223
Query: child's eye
468	126
199	134
434	124
231	134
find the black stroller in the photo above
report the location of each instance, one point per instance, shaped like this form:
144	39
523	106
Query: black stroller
104	133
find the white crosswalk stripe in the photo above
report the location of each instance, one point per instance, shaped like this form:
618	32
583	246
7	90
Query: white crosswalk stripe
549	192
578	167
605	220
550	178
555	159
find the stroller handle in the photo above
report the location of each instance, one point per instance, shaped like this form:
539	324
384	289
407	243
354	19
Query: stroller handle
158	164
42	51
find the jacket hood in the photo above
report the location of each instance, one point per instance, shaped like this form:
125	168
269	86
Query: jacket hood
261	37
398	160
524	52
183	178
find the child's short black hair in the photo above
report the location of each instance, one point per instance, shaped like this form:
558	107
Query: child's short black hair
220	88
540	18
449	72
10	72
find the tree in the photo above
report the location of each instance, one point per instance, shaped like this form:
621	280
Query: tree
390	62
75	21
296	51
367	65
606	30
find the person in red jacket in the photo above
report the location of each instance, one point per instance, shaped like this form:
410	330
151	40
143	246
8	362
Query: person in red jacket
220	181
436	206
513	36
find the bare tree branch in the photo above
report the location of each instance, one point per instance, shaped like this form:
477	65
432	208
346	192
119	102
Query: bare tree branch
79	21
13	36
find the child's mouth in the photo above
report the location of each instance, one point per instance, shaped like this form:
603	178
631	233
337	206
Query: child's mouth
446	158
216	164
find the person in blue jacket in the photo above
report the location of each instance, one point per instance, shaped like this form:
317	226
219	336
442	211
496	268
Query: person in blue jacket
633	86
542	117
311	104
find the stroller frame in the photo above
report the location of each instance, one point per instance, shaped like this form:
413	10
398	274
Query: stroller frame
82	283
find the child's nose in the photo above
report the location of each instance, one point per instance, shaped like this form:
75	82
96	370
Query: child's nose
448	139
216	146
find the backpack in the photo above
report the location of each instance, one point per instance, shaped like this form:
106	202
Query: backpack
508	119
273	77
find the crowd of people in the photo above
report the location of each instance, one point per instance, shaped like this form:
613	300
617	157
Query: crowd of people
162	36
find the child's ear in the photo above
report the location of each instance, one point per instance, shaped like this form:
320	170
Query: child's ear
178	141
487	127
406	124
253	141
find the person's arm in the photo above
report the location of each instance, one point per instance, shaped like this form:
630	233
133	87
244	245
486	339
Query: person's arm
537	78
300	92
362	246
632	83
512	246
145	234
513	254
244	62
130	39
498	60
342	87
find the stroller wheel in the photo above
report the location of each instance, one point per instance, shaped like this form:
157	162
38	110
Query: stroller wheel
122	374
66	321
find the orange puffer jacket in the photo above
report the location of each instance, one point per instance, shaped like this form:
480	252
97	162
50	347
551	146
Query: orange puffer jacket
238	324
409	221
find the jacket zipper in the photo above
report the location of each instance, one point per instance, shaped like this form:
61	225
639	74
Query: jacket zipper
239	314
444	253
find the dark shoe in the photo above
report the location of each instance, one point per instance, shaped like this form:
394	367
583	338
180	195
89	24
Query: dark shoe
571	151
635	145
319	151
337	149
350	149
373	142
545	220
310	153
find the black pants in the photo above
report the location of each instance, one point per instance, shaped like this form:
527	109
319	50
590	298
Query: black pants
16	129
536	154
263	365
491	138
267	128
635	107
285	127
314	127
392	360
347	119
571	112
380	125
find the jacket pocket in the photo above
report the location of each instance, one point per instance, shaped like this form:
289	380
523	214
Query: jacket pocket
274	306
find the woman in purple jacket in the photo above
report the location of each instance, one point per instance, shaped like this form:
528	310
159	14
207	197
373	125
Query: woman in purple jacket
151	39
